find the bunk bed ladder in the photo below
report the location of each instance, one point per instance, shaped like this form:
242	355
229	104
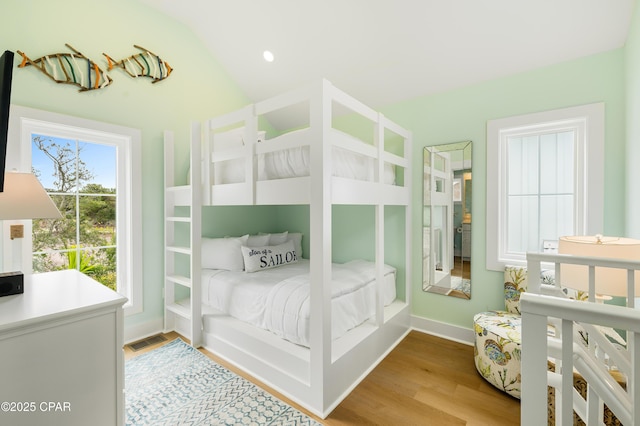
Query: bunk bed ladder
182	219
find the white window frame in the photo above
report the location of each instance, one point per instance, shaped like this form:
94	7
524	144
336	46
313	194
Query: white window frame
24	122
588	121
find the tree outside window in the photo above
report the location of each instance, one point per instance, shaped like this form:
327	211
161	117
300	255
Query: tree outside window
80	178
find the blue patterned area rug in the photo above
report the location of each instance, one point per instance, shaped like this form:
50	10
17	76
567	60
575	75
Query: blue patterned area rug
177	385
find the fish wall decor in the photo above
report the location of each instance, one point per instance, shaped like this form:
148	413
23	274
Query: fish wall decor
143	64
70	68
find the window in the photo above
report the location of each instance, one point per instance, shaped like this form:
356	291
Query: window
92	172
80	177
545	175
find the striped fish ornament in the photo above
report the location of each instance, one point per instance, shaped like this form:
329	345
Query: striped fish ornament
69	68
143	64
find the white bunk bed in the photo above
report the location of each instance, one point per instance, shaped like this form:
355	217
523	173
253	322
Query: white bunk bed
319	376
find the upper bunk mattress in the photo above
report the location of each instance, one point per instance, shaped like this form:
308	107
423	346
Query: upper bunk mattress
278	299
294	162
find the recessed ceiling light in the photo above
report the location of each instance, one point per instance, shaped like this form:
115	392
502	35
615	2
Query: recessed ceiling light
268	56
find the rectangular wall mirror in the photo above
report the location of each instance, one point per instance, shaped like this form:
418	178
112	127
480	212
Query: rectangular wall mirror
446	231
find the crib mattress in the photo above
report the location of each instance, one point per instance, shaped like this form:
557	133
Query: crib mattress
278	299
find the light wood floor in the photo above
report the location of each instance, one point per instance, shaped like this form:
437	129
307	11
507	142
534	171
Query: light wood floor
425	380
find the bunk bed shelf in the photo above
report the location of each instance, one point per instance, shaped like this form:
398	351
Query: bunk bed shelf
179	279
176	249
181	307
179	219
179	189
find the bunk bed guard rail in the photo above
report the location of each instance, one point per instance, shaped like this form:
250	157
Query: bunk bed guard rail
320	138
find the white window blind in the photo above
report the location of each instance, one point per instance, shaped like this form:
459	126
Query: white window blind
544	180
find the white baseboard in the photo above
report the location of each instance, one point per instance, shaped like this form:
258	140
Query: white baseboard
133	333
444	330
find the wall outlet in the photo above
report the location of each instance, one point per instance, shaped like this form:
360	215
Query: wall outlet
16	231
550	246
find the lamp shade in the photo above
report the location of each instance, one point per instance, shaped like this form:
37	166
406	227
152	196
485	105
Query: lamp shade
608	281
25	198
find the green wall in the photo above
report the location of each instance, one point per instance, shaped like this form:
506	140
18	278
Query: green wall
462	115
632	80
200	88
352	233
197	88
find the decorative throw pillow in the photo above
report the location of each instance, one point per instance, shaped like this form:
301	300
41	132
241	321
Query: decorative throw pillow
259	258
223	253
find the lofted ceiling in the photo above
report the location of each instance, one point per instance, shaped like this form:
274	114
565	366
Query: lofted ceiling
385	51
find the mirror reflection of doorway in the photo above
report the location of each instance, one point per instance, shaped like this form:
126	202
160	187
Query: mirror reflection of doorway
447	220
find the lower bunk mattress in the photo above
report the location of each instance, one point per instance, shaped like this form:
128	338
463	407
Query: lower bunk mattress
278	299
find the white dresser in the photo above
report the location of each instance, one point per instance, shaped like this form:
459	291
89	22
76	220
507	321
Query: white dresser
61	359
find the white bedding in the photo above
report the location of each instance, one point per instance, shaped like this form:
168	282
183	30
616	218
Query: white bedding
294	162
278	299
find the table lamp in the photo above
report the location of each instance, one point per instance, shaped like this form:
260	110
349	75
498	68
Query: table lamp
23	198
608	281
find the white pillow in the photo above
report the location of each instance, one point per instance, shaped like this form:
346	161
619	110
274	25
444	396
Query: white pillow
296	237
223	253
258	240
277	239
259	258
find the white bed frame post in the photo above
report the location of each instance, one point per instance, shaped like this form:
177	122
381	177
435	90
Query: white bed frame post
206	170
383	124
320	209
378	140
169	228
195	237
408	154
250	140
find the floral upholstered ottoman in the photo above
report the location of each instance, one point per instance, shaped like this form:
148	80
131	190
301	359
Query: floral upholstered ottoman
498	349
